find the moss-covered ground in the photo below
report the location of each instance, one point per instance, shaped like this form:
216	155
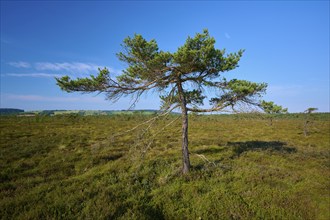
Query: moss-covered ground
74	167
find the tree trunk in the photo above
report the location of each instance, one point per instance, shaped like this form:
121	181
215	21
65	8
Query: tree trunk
306	128
185	151
184	114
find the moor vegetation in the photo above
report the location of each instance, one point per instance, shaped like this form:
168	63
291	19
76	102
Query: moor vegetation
94	167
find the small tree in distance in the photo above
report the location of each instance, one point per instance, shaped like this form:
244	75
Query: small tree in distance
310	110
270	109
180	78
308	119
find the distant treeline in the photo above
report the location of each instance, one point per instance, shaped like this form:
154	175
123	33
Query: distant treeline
95	112
10	111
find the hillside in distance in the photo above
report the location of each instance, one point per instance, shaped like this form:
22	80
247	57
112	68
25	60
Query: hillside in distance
12	111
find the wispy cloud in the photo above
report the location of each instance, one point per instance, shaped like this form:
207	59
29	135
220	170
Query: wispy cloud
66	66
285	90
78	68
227	35
34	75
20	64
115	71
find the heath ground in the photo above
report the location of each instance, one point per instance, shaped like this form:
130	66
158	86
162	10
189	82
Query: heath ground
96	167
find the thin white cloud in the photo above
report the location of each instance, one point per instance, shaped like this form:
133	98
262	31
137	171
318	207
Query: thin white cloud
20	64
66	66
285	90
78	68
34	75
227	35
115	71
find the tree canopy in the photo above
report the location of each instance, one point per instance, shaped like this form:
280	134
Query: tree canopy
197	65
180	78
271	108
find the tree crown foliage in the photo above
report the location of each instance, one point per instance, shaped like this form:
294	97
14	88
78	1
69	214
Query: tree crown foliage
184	74
271	108
310	110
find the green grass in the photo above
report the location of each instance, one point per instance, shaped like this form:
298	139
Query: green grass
73	167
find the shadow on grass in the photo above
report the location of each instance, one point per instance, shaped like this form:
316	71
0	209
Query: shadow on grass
209	150
105	159
111	157
275	146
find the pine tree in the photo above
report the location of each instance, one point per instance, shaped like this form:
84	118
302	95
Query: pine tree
181	78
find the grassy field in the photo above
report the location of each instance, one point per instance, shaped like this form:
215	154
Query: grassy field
73	167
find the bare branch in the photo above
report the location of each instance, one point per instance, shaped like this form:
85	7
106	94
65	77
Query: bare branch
146	122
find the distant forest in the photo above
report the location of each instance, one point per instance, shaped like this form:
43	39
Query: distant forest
10	111
13	111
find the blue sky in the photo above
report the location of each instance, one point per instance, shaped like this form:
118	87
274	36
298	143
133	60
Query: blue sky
286	43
